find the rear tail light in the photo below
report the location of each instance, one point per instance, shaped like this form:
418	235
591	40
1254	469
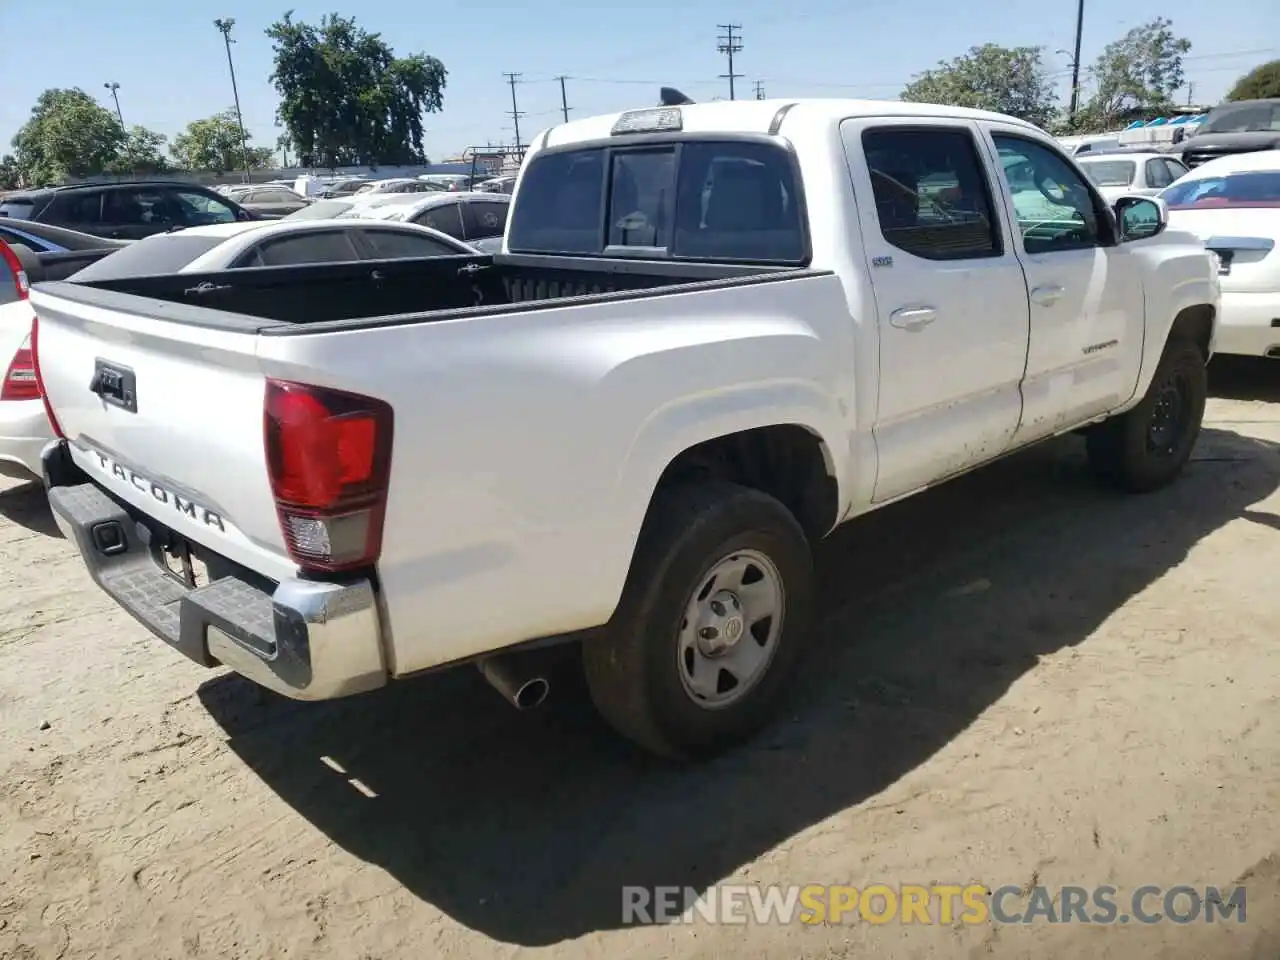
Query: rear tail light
35	366
20	379
329	459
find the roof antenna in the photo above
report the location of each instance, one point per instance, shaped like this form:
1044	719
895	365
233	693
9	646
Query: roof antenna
671	97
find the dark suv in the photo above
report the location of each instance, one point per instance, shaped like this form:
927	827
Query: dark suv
127	211
1242	126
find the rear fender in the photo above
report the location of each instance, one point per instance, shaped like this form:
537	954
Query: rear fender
690	421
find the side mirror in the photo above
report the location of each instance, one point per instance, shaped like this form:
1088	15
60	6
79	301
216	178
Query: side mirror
1141	217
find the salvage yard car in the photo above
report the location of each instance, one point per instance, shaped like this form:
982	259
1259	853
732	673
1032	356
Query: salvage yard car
714	333
1233	205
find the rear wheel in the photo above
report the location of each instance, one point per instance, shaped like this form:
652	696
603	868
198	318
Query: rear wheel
710	622
1147	447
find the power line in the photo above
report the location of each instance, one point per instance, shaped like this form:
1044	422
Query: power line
728	44
513	79
564	100
760	90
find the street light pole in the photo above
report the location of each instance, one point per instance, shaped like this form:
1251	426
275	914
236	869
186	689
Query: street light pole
224	25
114	88
1075	61
115	95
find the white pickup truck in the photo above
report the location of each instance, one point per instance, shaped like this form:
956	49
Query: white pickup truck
714	333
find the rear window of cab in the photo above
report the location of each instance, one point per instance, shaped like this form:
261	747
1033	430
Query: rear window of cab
693	200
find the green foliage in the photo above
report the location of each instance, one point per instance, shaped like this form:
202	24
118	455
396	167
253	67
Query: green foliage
10	173
214	144
69	136
142	153
1137	74
345	98
1007	80
1259	83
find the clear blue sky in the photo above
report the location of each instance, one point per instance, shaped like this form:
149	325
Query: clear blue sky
170	63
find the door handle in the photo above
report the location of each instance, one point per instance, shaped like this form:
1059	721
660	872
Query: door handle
913	318
1047	296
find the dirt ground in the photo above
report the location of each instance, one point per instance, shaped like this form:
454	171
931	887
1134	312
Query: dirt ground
1019	678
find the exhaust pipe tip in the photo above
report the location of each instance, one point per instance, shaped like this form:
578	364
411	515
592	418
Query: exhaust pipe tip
516	679
532	693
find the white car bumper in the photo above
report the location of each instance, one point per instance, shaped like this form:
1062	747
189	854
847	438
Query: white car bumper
1249	324
24	430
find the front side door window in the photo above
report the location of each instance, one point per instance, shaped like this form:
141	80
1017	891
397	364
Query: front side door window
135	212
1053	204
201	209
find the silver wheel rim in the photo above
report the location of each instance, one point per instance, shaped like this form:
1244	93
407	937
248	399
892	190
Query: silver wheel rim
730	629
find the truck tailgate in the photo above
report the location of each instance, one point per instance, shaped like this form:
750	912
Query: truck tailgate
168	417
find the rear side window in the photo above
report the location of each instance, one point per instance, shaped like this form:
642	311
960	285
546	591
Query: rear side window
83	207
18	209
329	247
932	196
698	200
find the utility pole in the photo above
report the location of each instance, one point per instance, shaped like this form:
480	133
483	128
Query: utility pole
729	44
513	79
1075	61
224	26
1191	92
760	90
564	100
114	88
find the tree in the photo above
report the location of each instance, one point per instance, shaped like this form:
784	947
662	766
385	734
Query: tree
1258	84
10	173
69	136
345	97
990	77
1137	74
214	144
141	153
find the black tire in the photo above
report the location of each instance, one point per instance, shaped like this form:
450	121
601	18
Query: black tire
1134	451
633	670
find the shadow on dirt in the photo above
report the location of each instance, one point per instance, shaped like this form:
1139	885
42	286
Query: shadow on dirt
27	505
526	826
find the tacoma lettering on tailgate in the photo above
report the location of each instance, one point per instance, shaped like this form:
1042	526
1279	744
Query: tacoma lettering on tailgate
161	494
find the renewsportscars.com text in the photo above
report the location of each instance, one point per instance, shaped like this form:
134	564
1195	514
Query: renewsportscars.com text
943	904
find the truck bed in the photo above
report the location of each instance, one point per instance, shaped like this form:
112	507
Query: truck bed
376	293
